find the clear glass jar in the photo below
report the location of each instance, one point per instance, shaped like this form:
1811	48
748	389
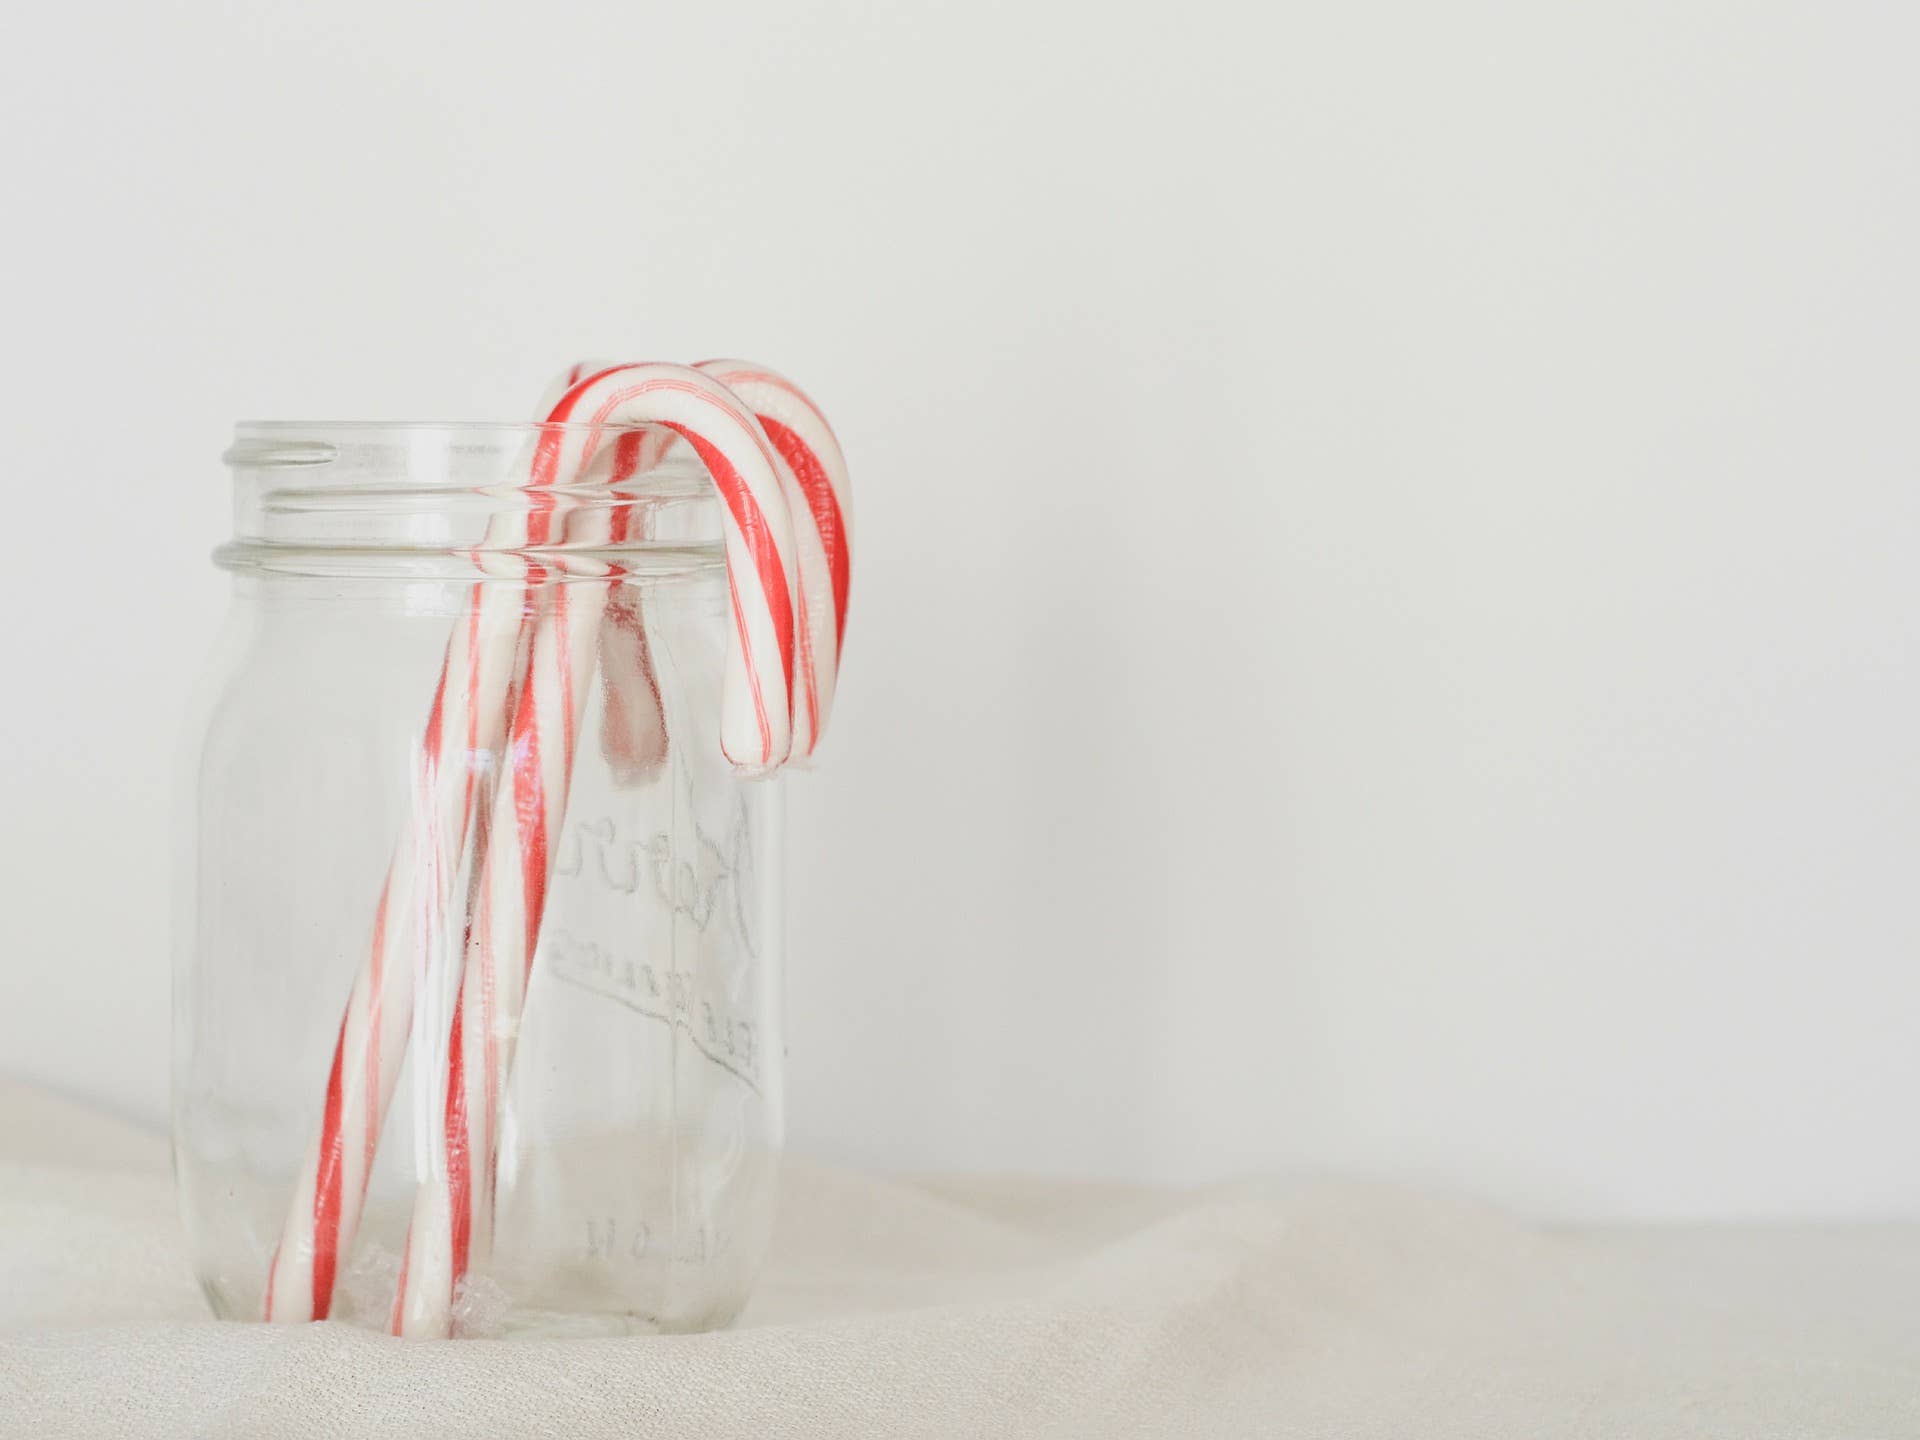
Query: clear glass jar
636	1098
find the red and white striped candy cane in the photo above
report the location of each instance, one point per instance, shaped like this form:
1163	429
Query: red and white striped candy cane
514	853
453	1203
814	478
472	705
411	931
515	866
813	473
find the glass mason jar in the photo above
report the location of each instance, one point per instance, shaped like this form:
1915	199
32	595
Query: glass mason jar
628	1101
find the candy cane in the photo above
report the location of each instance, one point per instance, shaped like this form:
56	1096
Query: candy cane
514	853
453	1203
508	902
814	479
469	716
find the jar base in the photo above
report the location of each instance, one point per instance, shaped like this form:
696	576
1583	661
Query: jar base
528	1323
581	1325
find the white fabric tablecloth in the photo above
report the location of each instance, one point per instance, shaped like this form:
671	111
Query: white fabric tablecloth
998	1307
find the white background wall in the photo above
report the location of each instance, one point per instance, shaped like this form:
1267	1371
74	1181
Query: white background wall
1385	629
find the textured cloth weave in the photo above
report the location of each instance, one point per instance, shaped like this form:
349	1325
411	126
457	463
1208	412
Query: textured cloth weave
1001	1308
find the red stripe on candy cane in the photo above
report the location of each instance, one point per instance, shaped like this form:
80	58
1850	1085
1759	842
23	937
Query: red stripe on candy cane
753	675
813	480
824	506
489	1037
771	573
627	451
459	1150
326	1197
530	814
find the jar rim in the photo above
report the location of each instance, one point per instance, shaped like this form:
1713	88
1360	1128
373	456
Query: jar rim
454	490
281	426
278	444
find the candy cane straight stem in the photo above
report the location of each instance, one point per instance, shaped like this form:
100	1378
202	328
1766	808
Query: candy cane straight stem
461	1146
410	924
468	719
508	906
453	1203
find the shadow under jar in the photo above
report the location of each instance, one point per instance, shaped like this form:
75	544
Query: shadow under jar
341	1023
